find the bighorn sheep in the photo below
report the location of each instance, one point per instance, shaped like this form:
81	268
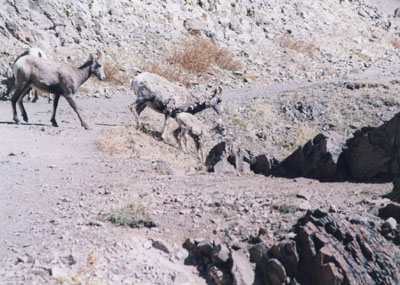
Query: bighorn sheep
35	51
165	97
190	125
53	77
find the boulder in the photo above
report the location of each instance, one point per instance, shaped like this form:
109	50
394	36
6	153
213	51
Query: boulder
227	156
372	153
335	251
241	270
328	249
263	164
316	159
391	210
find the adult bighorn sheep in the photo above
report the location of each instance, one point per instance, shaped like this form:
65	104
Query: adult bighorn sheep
190	125
165	97
60	79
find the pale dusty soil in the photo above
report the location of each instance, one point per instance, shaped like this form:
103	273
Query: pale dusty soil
56	183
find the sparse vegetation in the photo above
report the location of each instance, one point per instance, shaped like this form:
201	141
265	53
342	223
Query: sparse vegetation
114	72
171	72
195	55
117	141
304	47
134	215
240	122
199	54
84	276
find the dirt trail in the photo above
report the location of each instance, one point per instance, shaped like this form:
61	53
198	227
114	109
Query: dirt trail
55	183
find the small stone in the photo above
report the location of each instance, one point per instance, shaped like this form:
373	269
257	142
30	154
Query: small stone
182	254
390	224
205	247
239	245
189	244
220	254
242	271
162	245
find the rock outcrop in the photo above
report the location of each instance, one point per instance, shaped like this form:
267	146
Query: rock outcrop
227	157
373	153
324	249
316	159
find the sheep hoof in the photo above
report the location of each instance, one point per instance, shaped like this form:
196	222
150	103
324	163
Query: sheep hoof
54	123
25	118
86	127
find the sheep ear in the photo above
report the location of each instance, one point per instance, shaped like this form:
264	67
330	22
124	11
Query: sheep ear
99	55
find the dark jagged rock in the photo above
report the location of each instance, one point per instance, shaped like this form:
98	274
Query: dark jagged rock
316	159
373	153
263	164
326	249
330	250
390	211
395	194
226	156
335	251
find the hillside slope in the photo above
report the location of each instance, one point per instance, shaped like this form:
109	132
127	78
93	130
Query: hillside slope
275	41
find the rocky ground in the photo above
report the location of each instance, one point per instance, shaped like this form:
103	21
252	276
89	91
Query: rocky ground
59	182
306	67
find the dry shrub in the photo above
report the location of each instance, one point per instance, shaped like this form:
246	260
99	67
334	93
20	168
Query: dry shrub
300	46
134	215
170	72
114	73
225	59
199	54
118	141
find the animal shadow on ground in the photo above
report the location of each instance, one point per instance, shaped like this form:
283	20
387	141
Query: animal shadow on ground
155	134
24	124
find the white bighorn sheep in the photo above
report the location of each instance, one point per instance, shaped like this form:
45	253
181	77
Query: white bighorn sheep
54	77
190	125
165	97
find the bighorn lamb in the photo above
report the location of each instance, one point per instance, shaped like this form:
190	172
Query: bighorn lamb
190	125
53	77
165	97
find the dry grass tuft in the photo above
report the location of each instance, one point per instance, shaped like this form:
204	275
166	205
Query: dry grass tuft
134	215
199	54
190	57
114	73
127	141
304	47
171	72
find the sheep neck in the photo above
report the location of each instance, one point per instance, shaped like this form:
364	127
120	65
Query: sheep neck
198	107
84	72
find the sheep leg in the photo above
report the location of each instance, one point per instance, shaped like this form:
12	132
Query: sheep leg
184	136
181	138
36	97
136	109
55	105
163	135
75	107
21	105
199	148
14	99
